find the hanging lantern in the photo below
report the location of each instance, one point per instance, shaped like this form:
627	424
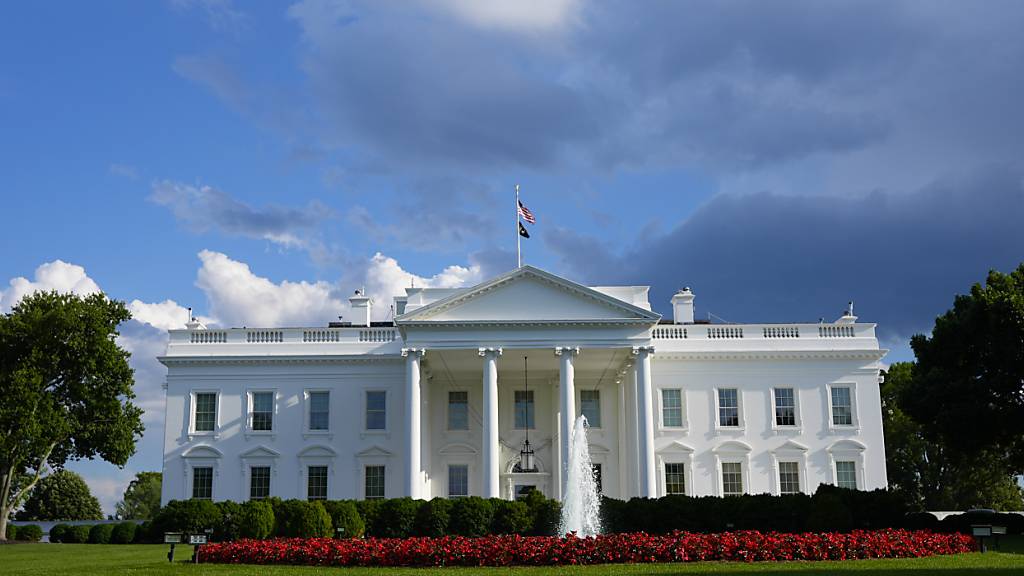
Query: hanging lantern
526	463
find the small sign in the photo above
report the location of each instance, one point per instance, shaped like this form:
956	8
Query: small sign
999	529
172	538
197	539
981	531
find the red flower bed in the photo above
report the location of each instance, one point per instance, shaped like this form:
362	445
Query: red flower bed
745	546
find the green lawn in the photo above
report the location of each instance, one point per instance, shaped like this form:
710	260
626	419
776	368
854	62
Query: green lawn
32	559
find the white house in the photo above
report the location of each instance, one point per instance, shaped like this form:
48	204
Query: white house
439	402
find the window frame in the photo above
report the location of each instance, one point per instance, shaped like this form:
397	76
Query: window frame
799	476
309	478
600	415
191	414
682	477
744	477
856	468
683	421
307	414
250	394
675	453
252	478
531	410
384	482
717	406
797	420
448	477
854	424
192	481
448	410
366	411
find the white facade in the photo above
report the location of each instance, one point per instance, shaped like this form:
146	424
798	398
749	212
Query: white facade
427	405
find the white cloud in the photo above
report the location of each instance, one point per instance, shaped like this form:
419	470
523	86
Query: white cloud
385	279
57	275
519	16
166	315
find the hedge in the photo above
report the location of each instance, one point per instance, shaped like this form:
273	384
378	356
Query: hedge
123	533
77	534
12	532
100	533
30	533
300	519
345	518
57	532
256	519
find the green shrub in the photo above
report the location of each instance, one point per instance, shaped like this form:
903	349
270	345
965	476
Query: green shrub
145	533
12	532
230	519
256	520
191	516
368	511
100	534
396	518
544	513
57	532
433	517
471	516
124	533
30	533
829	514
345	515
511	517
301	519
77	534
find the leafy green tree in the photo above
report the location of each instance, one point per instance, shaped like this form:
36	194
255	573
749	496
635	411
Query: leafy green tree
141	498
62	495
66	388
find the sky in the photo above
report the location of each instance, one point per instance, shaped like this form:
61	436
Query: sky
259	161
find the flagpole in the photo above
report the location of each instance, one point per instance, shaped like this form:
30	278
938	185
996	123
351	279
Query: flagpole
519	240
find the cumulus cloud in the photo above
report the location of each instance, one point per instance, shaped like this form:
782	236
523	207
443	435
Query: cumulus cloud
522	16
57	275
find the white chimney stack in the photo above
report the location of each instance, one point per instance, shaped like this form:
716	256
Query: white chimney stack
682	307
361	307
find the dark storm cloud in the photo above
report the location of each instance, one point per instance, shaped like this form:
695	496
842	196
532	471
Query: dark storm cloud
766	257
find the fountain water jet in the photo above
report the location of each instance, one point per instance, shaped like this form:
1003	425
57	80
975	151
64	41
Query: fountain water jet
581	504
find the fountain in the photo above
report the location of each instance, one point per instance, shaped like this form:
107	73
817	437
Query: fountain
581	505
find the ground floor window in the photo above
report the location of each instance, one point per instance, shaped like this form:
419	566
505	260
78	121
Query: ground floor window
523	490
846	474
732	479
789	478
374	482
259	482
316	483
675	478
202	483
458	481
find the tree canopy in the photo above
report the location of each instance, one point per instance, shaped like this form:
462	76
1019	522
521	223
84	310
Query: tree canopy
67	389
62	495
141	498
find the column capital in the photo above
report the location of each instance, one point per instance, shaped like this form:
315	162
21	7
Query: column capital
417	352
486	351
567	350
637	350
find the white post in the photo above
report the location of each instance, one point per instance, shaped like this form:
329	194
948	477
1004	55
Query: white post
413	476
645	426
567	404
492	450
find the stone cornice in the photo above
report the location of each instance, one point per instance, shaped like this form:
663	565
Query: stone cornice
521	323
773	355
280	359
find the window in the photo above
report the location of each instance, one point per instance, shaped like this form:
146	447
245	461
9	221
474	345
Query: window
262	410
202	483
259	482
524	409
728	407
206	411
523	490
842	406
789	478
672	408
732	479
316	483
590	407
458	410
319	410
846	474
785	407
374	482
675	478
376	410
458	481
595	471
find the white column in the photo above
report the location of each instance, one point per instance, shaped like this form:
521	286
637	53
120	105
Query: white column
413	475
645	424
491	448
567	406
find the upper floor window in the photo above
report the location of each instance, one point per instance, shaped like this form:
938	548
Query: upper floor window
842	406
316	483
590	407
458	410
732	479
259	482
672	408
675	478
728	407
319	410
374	485
789	478
524	409
376	410
262	410
846	474
785	407
202	483
206	412
458	481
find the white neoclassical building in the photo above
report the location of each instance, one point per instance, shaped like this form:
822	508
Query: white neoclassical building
441	400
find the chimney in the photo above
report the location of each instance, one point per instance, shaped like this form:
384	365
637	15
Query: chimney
682	306
361	306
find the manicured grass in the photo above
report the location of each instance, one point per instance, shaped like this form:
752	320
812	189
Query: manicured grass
33	559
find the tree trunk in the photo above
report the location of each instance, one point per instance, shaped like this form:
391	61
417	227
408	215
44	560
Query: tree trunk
8	504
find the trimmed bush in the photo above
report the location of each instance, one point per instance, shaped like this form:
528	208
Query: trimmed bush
368	510
471	516
301	519
77	534
433	517
544	513
345	515
145	533
100	534
124	533
396	518
829	513
57	532
230	519
511	517
12	532
30	533
192	516
256	520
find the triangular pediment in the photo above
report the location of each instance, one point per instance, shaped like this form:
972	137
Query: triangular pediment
791	446
677	447
526	295
375	451
260	452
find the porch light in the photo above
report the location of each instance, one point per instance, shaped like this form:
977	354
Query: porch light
526	463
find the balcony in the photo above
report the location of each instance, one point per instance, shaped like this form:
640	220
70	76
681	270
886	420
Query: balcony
284	341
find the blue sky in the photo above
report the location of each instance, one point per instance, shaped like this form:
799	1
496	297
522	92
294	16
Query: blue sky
258	161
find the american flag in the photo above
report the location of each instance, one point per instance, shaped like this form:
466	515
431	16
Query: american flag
526	214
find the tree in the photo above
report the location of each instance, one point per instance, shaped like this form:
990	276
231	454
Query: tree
968	387
66	388
141	498
62	495
930	477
